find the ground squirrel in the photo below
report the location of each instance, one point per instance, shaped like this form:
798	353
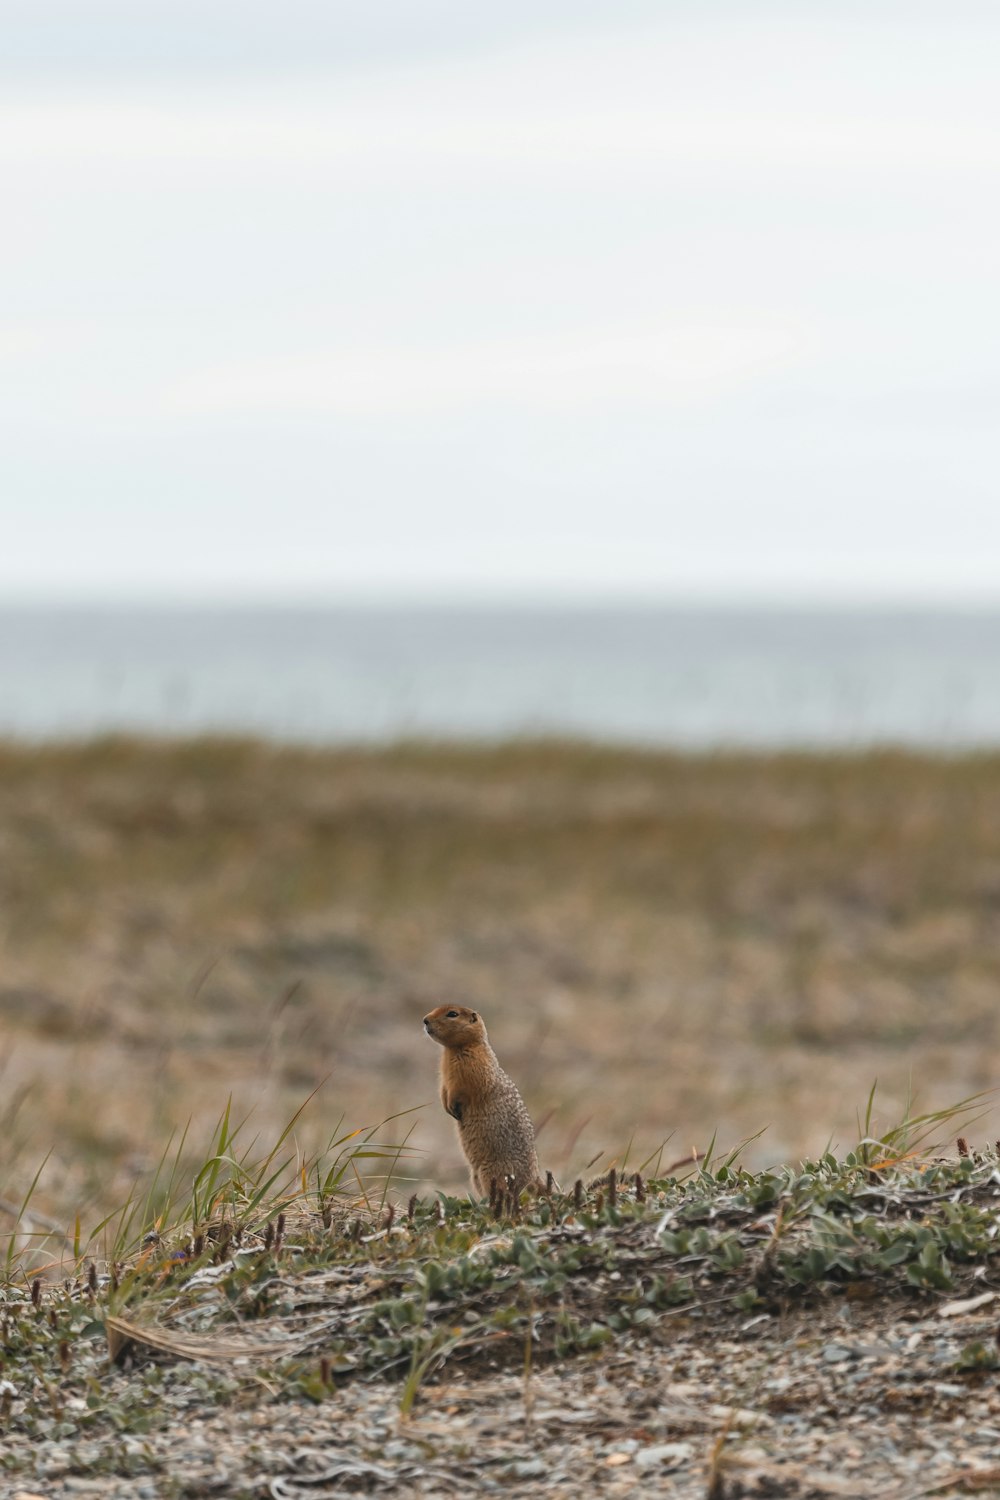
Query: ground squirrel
494	1128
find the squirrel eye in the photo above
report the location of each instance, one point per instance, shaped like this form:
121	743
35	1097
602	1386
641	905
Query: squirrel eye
452	1015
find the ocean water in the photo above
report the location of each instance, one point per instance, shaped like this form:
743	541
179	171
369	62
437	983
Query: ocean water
674	677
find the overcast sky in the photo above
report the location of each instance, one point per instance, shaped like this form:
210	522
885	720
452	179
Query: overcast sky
424	298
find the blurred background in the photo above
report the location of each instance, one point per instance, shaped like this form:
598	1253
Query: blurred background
498	504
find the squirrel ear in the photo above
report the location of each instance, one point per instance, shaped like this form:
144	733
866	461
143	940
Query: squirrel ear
473	1017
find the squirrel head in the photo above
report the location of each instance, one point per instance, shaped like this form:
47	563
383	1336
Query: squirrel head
455	1026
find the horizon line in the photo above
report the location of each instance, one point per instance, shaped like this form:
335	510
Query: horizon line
332	600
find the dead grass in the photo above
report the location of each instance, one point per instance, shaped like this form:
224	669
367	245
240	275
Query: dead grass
662	945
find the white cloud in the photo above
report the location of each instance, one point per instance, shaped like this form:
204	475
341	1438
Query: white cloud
385	135
681	365
768	93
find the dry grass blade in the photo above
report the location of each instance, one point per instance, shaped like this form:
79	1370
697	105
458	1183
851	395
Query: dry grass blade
358	1471
963	1482
123	1332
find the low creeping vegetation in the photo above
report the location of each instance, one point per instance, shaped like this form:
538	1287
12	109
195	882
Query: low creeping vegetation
311	1279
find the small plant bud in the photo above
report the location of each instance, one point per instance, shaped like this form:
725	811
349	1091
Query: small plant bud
640	1188
963	1146
411	1209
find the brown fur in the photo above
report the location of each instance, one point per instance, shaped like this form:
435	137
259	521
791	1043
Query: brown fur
494	1128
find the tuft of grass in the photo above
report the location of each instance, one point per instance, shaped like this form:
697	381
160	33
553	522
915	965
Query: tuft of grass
31	1233
226	1190
917	1132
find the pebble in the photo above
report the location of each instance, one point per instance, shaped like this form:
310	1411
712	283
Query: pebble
52	1468
405	1452
529	1468
662	1453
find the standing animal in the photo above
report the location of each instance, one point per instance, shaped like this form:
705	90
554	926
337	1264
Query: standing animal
494	1127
